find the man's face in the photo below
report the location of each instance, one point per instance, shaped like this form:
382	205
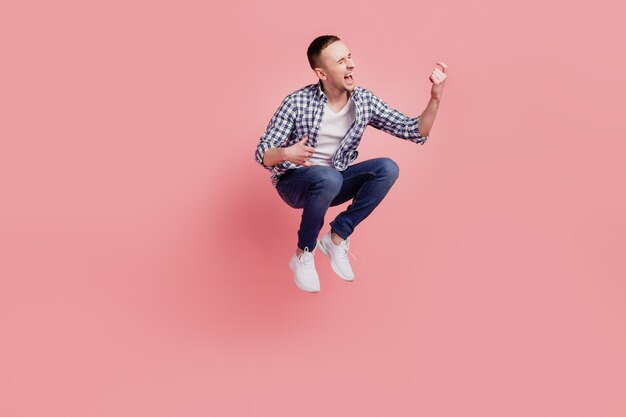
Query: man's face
335	63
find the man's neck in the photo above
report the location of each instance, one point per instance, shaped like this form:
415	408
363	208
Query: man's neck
335	96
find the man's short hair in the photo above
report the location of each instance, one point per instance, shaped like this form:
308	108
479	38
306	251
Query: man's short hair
316	47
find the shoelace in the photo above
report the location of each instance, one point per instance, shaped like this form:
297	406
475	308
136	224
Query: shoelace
306	258
346	245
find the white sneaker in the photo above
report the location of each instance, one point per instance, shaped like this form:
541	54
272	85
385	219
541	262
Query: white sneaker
338	255
304	271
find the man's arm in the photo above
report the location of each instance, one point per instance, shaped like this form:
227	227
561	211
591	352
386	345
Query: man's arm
269	152
438	78
415	129
395	122
427	118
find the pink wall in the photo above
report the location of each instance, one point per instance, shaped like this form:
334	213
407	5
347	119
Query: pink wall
143	252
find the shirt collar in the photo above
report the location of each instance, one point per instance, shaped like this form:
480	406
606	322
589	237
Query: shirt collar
319	93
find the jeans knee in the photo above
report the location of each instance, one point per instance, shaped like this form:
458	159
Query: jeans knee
389	168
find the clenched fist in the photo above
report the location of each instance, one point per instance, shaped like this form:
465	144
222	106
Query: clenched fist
438	78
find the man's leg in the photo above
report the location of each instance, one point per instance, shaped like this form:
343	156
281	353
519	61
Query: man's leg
368	183
312	189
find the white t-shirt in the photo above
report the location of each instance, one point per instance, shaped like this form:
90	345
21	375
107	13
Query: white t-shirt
332	130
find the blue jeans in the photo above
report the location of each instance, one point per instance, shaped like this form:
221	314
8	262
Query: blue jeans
318	187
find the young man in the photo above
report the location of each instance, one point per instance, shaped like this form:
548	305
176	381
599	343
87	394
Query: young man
310	142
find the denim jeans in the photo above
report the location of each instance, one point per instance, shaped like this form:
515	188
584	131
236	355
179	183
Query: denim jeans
316	188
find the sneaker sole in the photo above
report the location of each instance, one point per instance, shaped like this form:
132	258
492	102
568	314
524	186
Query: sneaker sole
326	252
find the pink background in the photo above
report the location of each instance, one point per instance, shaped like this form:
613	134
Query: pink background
144	253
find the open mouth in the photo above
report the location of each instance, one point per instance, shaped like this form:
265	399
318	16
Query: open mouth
349	78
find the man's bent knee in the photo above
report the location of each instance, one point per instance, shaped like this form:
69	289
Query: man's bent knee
389	168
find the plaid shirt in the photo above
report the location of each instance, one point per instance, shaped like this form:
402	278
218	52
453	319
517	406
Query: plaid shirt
301	112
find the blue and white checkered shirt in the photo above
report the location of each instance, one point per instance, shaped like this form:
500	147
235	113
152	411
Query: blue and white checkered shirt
301	112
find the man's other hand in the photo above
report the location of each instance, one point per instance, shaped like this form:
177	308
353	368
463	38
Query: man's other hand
299	153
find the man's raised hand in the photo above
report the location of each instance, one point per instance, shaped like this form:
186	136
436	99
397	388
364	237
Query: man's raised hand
438	78
299	153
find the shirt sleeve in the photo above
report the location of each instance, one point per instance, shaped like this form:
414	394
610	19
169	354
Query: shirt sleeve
278	130
395	122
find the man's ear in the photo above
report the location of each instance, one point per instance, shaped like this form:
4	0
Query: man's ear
320	73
